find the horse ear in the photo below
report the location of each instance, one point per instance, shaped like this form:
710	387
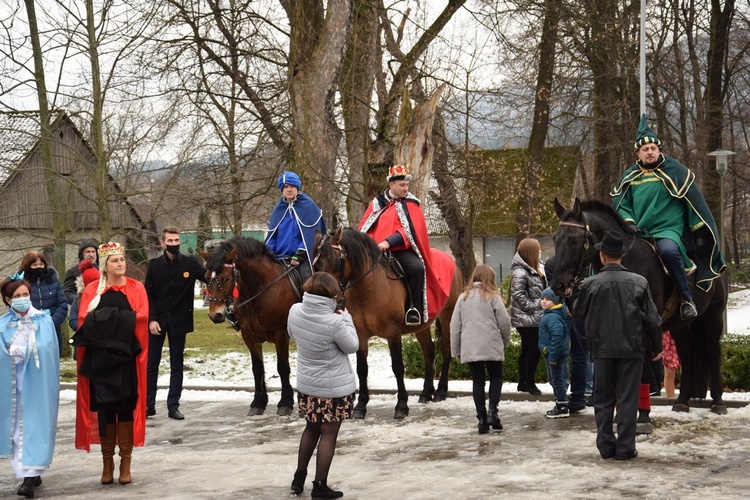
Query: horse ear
337	233
203	254
577	207
232	254
559	209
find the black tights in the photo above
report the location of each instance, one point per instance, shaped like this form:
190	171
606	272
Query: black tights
324	437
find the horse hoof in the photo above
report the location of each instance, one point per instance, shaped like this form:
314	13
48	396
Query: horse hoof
400	414
680	408
284	411
359	414
437	398
424	399
719	409
254	412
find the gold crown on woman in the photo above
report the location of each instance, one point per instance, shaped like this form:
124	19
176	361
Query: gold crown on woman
111	248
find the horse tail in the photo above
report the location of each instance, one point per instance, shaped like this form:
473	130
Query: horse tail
438	335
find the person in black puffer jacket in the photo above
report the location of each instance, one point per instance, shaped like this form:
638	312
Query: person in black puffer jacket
46	290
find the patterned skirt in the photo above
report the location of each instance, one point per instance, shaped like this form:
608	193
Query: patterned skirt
669	351
322	410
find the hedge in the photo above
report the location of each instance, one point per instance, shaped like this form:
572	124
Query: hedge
735	364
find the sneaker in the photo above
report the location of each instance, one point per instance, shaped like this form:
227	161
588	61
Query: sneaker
559	411
688	311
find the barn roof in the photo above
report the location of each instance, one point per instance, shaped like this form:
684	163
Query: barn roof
19	133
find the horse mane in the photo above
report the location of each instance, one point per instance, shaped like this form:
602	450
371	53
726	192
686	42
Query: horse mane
247	248
361	249
597	206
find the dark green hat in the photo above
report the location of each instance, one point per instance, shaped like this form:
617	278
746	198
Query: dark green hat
645	135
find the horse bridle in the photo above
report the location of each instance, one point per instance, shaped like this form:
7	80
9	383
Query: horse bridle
229	299
589	240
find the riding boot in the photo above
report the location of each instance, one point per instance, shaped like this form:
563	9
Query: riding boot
321	490
494	419
482	424
125	436
108	453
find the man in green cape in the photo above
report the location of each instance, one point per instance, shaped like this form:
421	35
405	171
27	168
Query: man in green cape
659	194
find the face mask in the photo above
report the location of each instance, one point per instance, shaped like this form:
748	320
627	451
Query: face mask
173	249
21	304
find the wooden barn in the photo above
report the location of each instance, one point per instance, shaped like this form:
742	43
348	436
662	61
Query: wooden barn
25	214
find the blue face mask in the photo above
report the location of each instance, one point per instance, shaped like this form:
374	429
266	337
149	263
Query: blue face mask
21	304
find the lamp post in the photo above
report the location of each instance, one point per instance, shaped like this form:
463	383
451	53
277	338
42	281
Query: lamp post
721	167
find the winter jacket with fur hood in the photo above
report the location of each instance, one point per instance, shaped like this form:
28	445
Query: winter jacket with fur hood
526	288
480	329
324	340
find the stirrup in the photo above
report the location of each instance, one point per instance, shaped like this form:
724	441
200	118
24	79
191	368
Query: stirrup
411	312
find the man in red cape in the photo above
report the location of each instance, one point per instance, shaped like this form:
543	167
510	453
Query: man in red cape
396	222
87	429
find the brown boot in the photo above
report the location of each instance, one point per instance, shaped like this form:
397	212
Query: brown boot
125	436
108	453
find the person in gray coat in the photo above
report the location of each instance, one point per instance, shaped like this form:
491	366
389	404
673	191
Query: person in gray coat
326	381
480	332
526	287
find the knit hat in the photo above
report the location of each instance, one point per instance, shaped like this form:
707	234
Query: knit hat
398	173
645	135
88	271
291	179
547	293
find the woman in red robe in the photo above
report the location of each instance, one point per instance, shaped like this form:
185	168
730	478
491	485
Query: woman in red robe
111	393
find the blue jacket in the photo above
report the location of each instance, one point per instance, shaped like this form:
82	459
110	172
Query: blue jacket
47	294
554	339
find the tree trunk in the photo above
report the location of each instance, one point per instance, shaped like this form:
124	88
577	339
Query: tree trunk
59	229
721	21
317	48
356	86
97	129
540	125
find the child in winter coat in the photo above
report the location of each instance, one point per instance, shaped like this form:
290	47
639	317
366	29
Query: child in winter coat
480	332
554	344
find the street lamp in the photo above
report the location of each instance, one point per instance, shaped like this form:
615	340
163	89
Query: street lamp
721	167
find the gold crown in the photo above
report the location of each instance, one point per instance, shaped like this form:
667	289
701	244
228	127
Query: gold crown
111	248
398	171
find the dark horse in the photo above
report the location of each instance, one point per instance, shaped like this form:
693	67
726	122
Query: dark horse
698	343
375	297
246	268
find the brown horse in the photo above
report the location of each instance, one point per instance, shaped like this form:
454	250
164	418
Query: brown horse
375	297
264	293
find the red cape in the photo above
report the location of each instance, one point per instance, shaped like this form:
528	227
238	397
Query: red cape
87	426
382	220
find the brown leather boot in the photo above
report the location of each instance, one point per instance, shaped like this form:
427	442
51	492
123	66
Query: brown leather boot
125	437
108	453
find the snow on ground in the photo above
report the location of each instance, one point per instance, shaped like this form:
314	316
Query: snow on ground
219	452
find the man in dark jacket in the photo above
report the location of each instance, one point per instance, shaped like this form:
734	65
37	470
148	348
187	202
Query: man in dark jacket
170	285
86	251
620	317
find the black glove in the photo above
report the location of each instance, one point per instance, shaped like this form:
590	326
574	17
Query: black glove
300	256
631	227
702	239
